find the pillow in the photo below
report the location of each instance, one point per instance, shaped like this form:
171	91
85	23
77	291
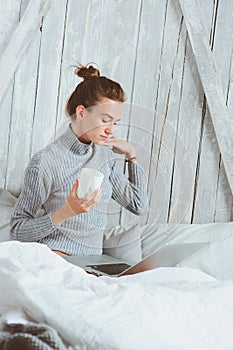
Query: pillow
7	203
124	243
215	259
154	236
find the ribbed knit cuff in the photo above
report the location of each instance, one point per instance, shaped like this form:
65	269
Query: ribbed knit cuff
136	174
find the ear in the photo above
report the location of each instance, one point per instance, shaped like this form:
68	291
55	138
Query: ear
79	111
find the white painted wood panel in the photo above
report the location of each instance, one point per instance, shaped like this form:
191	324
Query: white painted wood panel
23	103
207	175
145	83
48	76
190	133
212	86
223	48
143	45
20	40
167	107
188	137
76	28
9	19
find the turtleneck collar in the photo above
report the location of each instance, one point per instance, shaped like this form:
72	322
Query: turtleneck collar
70	140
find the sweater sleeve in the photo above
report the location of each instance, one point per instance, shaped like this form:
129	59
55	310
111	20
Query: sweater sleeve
25	226
131	193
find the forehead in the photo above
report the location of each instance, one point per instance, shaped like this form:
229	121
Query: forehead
109	108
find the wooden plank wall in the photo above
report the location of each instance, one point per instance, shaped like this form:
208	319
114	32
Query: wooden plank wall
144	45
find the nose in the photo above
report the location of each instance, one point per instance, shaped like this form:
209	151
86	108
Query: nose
110	129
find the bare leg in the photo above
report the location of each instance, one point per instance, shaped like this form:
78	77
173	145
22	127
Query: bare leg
59	253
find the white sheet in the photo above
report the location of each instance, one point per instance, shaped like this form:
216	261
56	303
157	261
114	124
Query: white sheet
167	308
215	259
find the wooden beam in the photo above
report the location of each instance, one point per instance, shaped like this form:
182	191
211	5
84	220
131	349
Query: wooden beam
21	40
210	80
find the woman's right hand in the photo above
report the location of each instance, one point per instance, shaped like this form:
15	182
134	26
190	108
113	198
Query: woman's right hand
75	205
82	205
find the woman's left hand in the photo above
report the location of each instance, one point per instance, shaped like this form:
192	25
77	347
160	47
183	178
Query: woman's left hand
121	147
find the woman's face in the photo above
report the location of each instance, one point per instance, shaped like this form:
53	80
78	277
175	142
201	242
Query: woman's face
96	124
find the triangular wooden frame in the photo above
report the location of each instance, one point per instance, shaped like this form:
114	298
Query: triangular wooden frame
20	41
222	122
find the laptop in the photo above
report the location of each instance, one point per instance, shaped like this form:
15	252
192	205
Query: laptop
105	265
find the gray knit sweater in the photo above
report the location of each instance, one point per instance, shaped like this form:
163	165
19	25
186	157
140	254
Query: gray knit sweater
48	180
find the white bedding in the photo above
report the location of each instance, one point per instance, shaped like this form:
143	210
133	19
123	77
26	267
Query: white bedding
167	308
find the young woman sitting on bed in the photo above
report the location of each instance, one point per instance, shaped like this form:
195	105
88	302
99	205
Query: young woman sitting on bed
73	225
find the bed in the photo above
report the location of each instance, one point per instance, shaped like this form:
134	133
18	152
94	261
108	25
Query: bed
189	306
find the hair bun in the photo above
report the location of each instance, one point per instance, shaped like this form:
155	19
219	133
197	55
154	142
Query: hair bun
86	72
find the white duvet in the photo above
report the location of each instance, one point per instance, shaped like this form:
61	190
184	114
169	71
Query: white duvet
166	308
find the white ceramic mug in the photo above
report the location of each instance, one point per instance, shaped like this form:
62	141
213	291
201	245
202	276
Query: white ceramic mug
89	178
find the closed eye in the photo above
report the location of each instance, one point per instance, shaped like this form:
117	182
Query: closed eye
108	121
105	121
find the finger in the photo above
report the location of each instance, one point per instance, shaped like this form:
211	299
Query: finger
90	193
75	188
112	138
96	198
117	150
111	142
93	201
88	196
96	193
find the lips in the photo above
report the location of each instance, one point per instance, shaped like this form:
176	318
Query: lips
104	137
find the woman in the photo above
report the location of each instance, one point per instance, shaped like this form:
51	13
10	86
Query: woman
73	225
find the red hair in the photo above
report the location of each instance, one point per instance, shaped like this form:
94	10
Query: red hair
92	89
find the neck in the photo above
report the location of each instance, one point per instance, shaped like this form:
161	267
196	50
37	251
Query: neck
79	135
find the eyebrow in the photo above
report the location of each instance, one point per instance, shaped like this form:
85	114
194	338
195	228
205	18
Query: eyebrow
111	117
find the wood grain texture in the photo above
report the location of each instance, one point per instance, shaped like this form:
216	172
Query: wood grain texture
20	40
139	130
167	109
223	49
208	157
211	84
211	183
22	114
9	19
48	76
142	44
